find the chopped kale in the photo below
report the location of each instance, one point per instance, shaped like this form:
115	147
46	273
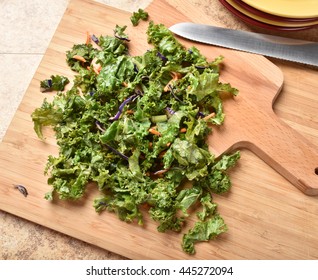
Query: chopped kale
56	83
137	16
137	127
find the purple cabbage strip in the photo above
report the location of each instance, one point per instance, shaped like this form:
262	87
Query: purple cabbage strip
99	126
173	94
22	189
49	82
170	111
200	67
95	39
136	68
163	58
116	152
116	117
122	105
122	38
200	114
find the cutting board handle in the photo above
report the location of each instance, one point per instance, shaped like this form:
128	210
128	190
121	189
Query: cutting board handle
285	150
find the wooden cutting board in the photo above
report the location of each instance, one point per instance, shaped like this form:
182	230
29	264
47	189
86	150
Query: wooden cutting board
268	216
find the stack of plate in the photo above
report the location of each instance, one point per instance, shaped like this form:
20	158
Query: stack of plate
281	15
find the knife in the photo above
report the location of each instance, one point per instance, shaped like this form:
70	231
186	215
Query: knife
269	45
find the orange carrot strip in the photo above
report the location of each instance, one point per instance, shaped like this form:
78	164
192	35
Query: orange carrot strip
175	76
79	58
97	69
183	130
209	116
88	38
145	205
161	155
159	172
129	112
154	132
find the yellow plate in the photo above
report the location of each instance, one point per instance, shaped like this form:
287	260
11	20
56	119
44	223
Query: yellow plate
267	20
287	8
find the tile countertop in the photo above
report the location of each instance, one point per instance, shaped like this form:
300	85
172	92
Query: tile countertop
25	41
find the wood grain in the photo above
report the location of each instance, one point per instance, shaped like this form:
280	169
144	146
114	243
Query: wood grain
268	218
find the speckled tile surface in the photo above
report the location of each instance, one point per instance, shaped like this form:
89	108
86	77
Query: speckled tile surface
26	28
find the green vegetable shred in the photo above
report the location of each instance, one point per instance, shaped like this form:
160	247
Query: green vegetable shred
137	127
137	16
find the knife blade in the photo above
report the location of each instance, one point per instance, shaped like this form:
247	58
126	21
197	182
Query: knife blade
269	45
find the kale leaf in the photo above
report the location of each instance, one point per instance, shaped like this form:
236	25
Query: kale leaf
56	82
137	16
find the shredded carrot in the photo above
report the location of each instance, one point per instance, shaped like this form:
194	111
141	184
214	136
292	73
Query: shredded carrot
168	144
175	76
212	115
129	112
97	68
154	131
88	38
183	130
79	58
145	206
125	84
167	87
160	172
162	154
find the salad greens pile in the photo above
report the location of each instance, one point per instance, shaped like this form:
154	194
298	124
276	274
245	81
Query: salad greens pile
137	127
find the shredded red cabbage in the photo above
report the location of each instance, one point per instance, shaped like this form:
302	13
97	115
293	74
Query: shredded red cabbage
116	152
95	39
200	114
173	94
200	67
122	38
122	105
163	58
136	68
99	126
170	111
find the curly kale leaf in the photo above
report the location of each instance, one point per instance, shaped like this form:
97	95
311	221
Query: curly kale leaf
56	82
137	16
203	231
